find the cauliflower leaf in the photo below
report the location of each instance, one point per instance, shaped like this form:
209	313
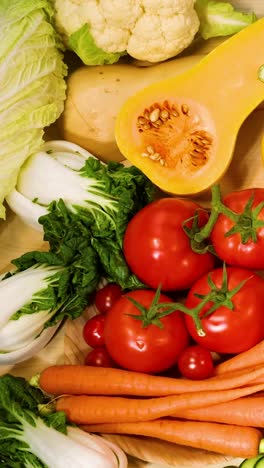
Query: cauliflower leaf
83	44
221	18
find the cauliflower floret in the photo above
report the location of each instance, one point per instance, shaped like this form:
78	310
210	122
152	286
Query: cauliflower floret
156	38
167	7
146	29
70	15
111	22
121	14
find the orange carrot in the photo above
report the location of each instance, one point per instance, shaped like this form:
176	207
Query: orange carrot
88	380
247	411
235	441
84	409
246	360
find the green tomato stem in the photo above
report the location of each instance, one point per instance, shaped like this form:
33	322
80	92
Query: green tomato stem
217	208
217	297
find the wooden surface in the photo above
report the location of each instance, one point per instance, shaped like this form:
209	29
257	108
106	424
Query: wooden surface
246	170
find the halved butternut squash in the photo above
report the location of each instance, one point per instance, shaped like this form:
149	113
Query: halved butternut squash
181	131
96	94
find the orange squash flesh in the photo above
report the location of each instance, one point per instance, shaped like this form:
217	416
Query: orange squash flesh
212	99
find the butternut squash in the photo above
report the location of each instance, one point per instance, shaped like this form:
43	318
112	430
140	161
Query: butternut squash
262	149
181	131
96	94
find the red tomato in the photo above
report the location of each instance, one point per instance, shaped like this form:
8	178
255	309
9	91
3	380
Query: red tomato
149	348
93	331
230	248
196	362
229	331
106	297
158	250
99	357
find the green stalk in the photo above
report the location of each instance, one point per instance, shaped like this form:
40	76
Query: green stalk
217	208
246	223
217	296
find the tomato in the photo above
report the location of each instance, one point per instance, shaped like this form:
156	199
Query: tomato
99	357
106	297
229	331
158	250
144	342
195	363
231	248
93	331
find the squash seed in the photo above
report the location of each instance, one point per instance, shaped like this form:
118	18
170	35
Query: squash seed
141	120
185	109
155	156
164	115
150	149
154	116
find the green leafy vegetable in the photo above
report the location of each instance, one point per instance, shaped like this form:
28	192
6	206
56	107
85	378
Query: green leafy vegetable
32	86
97	202
30	440
83	44
221	18
45	288
77	273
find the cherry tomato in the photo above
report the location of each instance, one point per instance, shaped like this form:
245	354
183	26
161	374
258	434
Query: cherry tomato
237	324
107	296
158	250
99	357
140	346
231	248
196	362
93	331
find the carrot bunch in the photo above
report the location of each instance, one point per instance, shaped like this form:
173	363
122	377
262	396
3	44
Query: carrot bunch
224	413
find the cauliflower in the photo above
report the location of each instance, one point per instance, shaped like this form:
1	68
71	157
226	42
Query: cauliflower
101	31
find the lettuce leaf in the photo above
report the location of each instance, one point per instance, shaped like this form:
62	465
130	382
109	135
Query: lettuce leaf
221	18
83	44
32	84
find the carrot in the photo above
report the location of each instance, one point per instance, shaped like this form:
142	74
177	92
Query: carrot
84	409
250	358
247	411
88	380
235	441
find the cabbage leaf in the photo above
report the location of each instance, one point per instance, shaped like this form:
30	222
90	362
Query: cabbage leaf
32	84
